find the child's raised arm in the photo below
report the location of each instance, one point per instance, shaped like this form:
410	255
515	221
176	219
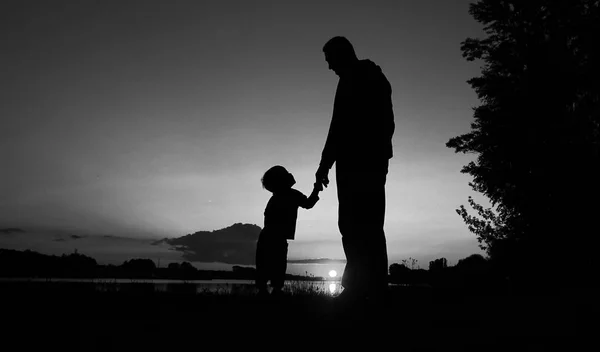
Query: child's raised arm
313	198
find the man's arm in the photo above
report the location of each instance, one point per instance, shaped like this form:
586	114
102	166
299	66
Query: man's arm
328	156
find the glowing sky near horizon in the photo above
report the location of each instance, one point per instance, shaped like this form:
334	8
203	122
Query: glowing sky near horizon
158	118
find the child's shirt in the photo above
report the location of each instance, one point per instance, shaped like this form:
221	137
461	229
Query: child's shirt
282	211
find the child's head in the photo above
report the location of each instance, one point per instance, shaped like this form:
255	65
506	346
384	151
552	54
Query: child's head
277	179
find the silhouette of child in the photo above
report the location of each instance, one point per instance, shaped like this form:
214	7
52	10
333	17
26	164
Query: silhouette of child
279	227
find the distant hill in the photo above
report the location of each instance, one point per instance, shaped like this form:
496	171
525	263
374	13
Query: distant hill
235	244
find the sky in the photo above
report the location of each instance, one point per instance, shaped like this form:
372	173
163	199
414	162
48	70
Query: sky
155	119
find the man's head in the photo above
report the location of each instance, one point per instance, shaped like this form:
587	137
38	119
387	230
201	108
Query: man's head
277	179
339	54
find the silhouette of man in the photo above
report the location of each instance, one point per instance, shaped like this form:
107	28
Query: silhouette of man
359	142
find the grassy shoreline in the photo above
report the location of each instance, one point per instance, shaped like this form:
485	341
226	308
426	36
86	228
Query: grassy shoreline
439	319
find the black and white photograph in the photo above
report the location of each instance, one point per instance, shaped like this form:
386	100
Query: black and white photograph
413	175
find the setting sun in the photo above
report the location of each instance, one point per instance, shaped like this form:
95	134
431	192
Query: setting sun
332	273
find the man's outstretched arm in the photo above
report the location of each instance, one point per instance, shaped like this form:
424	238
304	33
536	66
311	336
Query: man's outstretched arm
327	157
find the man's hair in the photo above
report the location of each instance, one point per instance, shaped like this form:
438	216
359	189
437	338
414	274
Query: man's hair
339	45
272	179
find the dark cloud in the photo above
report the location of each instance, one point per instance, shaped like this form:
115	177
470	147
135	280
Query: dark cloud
11	230
70	237
232	245
317	261
120	238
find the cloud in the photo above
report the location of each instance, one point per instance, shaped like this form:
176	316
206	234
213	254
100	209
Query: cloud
317	261
11	230
106	249
121	238
232	245
61	238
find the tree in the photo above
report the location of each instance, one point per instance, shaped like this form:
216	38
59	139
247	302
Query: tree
438	264
173	266
410	263
536	134
78	265
139	267
400	273
472	263
188	267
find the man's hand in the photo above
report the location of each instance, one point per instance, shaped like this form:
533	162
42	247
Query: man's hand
321	176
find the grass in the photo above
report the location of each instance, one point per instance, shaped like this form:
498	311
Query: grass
414	318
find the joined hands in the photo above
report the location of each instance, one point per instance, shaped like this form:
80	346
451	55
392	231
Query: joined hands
321	178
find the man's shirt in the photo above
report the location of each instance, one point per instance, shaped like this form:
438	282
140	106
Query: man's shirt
362	124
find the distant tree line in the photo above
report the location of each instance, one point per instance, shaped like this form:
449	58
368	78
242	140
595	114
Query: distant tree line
31	264
474	271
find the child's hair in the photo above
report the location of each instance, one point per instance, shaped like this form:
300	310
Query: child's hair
273	179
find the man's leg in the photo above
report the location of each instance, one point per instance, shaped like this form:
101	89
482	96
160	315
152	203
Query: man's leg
361	195
376	248
345	224
350	214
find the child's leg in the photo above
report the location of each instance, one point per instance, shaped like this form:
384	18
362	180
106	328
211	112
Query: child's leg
261	267
280	250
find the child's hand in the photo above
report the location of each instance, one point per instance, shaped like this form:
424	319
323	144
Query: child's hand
318	187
